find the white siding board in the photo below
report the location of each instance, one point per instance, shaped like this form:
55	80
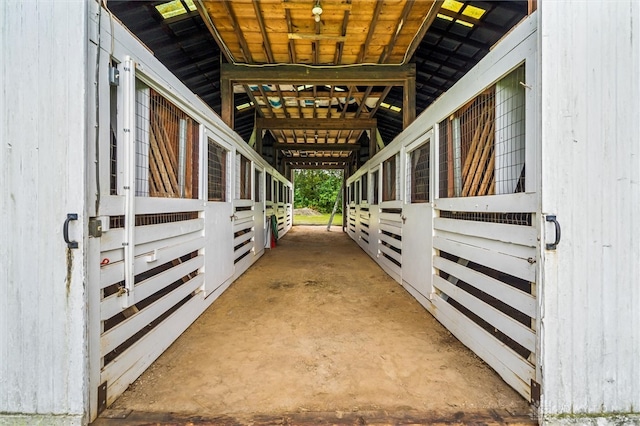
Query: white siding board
42	129
113	304
512	328
523	235
510	366
502	262
114	272
121	332
589	131
515	298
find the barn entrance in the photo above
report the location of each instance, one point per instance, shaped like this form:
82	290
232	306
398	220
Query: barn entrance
316	327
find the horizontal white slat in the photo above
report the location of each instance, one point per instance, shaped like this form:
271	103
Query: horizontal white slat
513	297
143	234
523	235
520	333
244	214
112	304
390	268
123	370
114	272
514	369
502	262
113	205
117	255
391	217
390	240
244	224
242	238
120	333
515	250
506	203
390	252
242	250
243	203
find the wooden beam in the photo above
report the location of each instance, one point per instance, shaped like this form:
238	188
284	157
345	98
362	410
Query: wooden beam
317	124
317	147
318	167
380	100
244	47
263	30
364	75
431	16
372	29
316	37
403	18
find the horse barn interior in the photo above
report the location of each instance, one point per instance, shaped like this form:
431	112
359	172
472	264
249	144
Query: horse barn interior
486	270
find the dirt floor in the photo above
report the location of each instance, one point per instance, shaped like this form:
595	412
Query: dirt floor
315	326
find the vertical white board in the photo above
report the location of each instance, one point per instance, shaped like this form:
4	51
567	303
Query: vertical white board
590	122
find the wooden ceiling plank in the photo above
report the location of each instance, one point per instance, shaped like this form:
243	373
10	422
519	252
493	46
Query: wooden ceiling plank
403	19
317	124
372	30
364	75
263	30
236	26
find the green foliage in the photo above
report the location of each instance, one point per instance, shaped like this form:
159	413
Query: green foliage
317	189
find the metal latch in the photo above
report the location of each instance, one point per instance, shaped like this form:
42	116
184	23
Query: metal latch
95	227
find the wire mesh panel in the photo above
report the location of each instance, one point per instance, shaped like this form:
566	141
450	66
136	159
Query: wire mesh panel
418	174
216	172
482	145
257	187
364	187
374	188
166	147
389	179
269	187
243	191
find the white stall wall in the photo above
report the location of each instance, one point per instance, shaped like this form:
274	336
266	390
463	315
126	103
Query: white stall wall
590	123
43	357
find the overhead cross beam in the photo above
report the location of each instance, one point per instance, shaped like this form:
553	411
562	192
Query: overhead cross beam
316	124
363	75
317	146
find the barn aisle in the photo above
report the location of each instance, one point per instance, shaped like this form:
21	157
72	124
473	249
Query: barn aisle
315	330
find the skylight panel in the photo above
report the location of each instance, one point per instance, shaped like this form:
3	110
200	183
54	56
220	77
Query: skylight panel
175	8
452	5
473	12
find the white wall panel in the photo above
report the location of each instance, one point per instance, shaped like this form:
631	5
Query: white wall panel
43	86
590	124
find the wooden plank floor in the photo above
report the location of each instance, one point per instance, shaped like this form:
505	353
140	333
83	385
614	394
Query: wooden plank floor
316	333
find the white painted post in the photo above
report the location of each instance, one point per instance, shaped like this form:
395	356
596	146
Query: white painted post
129	188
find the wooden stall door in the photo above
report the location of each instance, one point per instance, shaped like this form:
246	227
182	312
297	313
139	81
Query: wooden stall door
417	213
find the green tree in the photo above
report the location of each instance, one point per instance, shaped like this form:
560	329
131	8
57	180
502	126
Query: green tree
317	189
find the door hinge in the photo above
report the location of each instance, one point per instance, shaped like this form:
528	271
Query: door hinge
102	397
535	392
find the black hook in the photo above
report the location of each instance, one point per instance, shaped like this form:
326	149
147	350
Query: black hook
65	230
552	246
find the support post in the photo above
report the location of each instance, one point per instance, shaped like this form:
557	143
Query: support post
226	95
409	102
